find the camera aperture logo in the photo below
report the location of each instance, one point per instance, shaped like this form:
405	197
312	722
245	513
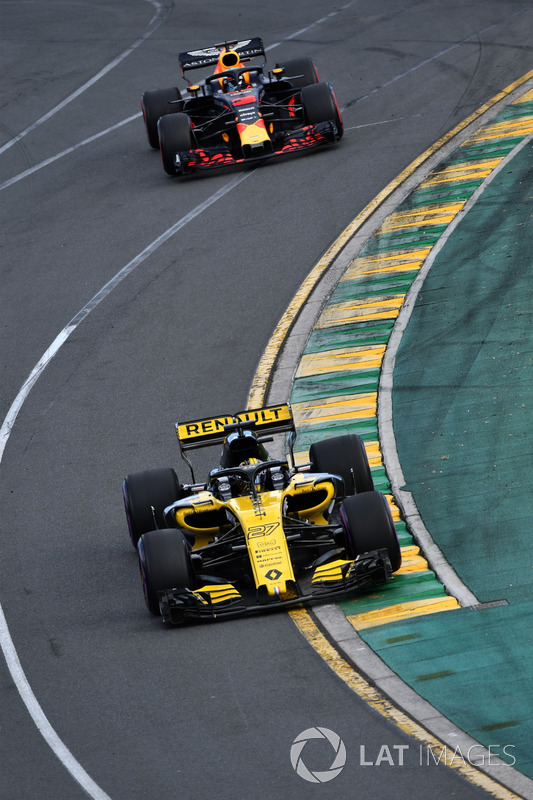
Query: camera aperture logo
334	741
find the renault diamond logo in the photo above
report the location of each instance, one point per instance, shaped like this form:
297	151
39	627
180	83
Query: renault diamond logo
273	575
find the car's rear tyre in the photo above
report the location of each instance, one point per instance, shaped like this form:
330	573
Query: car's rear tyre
368	524
300	71
164	563
142	491
320	105
345	456
155	104
175	135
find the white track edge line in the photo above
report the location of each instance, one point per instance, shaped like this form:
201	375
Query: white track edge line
155	22
6	642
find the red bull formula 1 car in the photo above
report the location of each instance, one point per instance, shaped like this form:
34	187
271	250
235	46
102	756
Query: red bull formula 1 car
260	534
238	113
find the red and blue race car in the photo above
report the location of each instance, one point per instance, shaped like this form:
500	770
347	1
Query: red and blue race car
239	113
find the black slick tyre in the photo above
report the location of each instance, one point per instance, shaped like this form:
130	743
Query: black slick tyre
368	523
345	456
143	491
300	71
164	563
156	104
175	135
320	105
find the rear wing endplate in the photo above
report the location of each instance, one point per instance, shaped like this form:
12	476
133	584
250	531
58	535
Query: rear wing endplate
211	430
196	59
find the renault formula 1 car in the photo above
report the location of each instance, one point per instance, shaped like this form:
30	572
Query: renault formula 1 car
260	534
238	113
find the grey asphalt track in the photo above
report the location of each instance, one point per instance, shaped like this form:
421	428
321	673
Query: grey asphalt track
146	712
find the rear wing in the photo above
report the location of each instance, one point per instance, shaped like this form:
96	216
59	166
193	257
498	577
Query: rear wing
196	59
212	430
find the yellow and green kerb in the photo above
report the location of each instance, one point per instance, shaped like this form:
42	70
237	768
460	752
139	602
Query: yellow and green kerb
336	385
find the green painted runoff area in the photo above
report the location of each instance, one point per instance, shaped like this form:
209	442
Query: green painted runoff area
462	413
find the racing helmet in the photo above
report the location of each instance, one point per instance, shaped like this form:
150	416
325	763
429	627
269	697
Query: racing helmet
260	479
239	447
228	59
228	83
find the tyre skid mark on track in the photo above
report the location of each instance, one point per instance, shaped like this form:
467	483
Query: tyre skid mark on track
6	642
161	13
472	38
62	337
39	718
68	151
153	25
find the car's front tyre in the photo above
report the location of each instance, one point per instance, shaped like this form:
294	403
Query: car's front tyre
368	525
164	563
320	105
175	136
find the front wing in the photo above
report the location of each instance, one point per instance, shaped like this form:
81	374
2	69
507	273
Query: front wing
306	138
214	601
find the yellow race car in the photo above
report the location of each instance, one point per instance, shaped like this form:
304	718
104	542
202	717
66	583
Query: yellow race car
260	533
